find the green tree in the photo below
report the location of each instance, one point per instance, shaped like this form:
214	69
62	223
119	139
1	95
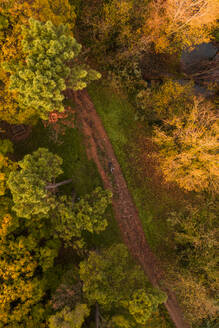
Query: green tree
69	318
29	184
33	189
112	280
72	219
48	68
17	14
120	322
143	304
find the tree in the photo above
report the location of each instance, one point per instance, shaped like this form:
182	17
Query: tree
33	189
3	26
6	165
69	318
120	322
197	302
111	27
143	304
17	13
74	218
195	235
177	24
161	102
111	280
188	148
48	69
27	253
28	185
127	29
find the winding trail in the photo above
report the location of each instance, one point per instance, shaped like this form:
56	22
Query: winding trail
99	149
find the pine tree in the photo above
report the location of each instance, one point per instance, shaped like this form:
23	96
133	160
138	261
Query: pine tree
48	69
28	185
17	14
33	189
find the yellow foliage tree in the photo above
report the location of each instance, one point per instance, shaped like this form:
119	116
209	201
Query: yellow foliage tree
22	257
188	148
131	28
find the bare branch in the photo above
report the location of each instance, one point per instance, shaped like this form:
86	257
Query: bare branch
52	186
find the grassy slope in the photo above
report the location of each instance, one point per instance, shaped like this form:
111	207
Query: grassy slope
118	118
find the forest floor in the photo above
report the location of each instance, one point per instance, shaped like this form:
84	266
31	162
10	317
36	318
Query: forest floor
100	150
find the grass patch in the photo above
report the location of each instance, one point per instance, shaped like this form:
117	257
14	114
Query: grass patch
76	166
118	118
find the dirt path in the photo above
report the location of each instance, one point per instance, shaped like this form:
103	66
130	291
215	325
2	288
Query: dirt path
100	150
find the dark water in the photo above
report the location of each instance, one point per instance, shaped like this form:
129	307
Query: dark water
191	59
202	52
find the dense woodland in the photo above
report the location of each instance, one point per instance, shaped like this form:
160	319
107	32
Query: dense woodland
63	263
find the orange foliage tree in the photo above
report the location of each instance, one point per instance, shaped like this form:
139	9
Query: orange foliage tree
177	24
131	28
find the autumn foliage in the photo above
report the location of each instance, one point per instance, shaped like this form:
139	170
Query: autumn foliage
188	148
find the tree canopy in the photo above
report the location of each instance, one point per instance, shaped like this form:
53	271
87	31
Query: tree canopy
14	15
188	148
70	318
25	264
48	68
28	184
113	281
74	218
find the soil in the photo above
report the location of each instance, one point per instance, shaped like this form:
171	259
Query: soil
99	149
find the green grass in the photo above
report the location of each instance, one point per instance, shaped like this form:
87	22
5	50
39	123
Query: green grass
76	166
118	118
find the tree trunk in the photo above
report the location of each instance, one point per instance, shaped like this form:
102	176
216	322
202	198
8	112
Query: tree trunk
73	196
97	316
55	185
